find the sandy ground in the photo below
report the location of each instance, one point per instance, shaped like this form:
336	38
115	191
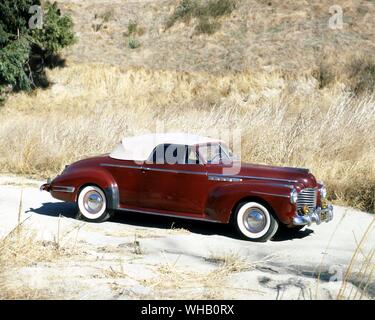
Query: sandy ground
137	256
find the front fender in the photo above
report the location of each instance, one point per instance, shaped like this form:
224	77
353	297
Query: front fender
86	176
223	199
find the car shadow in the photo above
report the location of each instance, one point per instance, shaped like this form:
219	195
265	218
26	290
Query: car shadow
69	210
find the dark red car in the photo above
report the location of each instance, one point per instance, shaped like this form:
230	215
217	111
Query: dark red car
193	177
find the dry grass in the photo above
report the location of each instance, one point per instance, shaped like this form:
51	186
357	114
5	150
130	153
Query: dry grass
174	282
282	121
365	265
284	34
20	248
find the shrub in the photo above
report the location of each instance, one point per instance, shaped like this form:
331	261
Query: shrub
362	75
188	9
133	43
132	27
205	25
19	45
217	8
184	11
324	74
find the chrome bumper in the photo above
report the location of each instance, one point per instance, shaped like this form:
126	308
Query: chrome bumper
317	216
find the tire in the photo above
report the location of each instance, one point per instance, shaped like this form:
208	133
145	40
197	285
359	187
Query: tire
255	222
92	205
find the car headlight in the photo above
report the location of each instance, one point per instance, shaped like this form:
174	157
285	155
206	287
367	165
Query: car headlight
323	192
293	196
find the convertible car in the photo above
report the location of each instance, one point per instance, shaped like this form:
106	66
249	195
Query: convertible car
189	176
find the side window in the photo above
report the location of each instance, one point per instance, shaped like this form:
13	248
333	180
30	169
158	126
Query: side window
169	154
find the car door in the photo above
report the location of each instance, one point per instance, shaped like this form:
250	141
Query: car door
173	180
128	178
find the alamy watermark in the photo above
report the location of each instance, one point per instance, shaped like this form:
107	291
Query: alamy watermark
36	20
336	20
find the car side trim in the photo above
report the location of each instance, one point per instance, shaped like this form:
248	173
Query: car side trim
222	176
271	194
63	189
120	166
167	215
152	169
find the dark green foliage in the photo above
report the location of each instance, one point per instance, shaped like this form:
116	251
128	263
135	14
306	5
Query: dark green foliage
57	31
218	8
12	59
132	27
362	74
24	52
133	43
206	13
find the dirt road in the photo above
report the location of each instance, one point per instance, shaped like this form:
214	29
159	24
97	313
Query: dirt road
137	256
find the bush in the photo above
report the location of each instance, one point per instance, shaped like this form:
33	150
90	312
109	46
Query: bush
132	27
218	8
19	44
212	9
205	25
133	43
184	11
362	75
324	74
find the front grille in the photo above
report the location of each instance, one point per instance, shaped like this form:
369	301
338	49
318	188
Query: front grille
307	197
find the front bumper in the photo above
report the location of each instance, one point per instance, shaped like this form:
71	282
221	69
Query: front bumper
317	216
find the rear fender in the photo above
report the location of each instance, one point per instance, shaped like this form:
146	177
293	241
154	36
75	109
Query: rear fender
87	176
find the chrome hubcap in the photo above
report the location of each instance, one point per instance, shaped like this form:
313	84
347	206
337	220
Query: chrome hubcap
93	202
254	220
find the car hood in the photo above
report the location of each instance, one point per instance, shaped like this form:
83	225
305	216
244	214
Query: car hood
294	176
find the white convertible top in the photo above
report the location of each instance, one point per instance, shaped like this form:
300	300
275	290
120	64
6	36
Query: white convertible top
139	148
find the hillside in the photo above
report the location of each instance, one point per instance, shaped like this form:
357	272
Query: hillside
300	92
292	36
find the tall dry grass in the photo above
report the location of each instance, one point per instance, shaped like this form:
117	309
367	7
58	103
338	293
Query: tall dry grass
284	121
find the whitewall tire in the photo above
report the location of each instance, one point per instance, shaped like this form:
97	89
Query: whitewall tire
255	222
92	204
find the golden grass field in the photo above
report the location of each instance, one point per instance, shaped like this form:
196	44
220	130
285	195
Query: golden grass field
274	71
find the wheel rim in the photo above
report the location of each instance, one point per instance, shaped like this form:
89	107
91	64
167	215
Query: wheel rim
254	220
93	202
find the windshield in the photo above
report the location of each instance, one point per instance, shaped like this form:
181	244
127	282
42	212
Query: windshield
215	153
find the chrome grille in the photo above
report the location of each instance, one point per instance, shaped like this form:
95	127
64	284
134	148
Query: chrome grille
307	197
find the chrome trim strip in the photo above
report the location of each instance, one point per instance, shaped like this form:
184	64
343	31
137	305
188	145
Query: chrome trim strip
174	171
152	169
263	178
63	189
167	215
219	178
271	194
120	166
194	172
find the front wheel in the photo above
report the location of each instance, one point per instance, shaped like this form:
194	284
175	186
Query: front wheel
92	205
255	222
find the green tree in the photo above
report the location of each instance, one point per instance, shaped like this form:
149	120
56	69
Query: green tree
25	50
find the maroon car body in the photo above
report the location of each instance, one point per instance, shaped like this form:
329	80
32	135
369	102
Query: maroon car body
195	190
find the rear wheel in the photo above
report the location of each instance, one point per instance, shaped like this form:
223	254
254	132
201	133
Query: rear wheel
92	205
255	222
